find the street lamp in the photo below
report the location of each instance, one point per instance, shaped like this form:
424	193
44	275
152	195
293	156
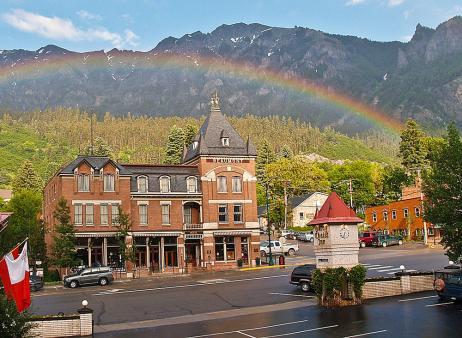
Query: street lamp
270	262
402	268
84	303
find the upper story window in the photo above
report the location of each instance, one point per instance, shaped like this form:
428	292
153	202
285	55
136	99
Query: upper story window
221	181
417	212
104	215
385	215
222	213
78	214
374	216
83	182
165	208
406	212
192	184
302	216
237	184
143	214
115	214
142	184
108	182
393	214
89	214
164	184
195	144
225	141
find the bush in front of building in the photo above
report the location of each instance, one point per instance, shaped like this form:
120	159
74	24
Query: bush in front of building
12	323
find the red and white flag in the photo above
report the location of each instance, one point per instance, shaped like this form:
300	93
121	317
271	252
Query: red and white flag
14	271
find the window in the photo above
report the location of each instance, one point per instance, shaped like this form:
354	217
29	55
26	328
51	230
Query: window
142	184
237	184
78	214
302	216
229	248
195	144
89	218
225	141
221	180
143	212
406	212
171	251
165	213
385	215
83	183
115	214
164	184
222	213
431	232
374	216
393	214
187	215
108	182
238	213
104	214
417	212
225	248
191	184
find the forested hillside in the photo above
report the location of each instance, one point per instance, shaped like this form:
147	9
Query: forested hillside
53	137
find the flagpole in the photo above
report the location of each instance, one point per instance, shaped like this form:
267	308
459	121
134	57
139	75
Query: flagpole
17	245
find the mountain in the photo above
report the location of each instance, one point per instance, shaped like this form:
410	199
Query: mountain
421	78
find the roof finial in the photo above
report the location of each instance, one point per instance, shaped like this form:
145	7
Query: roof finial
215	101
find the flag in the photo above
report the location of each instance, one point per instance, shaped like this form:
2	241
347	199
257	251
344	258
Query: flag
14	271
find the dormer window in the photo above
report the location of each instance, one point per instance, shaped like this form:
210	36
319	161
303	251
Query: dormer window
142	184
83	182
225	141
164	184
108	182
195	144
192	184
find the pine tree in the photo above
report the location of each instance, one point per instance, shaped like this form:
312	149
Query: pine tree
442	188
100	148
27	179
265	156
175	146
190	131
412	147
286	152
64	239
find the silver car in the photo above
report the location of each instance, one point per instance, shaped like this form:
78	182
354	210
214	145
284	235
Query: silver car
97	275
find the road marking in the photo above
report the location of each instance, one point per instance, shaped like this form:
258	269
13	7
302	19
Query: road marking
394	269
213	281
370	265
439	304
392	273
245	334
302	331
412	299
380	267
365	334
289	294
186	285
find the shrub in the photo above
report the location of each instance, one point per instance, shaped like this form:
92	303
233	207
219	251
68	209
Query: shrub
12	323
357	276
51	276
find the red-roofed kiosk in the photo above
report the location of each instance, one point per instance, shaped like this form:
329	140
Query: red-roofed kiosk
336	234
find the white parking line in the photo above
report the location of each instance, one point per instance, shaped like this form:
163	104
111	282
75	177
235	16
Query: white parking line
289	294
386	270
380	267
365	334
418	298
371	265
245	334
302	331
439	304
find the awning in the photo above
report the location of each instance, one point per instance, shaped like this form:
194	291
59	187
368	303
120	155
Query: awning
156	234
232	233
94	234
193	236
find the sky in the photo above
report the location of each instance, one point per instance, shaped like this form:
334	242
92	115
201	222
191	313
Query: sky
140	24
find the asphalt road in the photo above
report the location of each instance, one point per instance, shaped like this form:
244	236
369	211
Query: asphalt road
161	298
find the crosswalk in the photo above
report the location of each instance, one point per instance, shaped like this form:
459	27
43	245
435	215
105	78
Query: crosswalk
387	269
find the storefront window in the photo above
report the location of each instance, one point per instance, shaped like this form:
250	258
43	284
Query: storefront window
224	247
230	250
170	250
219	249
245	250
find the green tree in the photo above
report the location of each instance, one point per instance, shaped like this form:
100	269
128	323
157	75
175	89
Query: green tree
393	180
190	131
14	324
442	186
25	222
27	179
286	152
64	255
124	230
265	156
100	148
175	146
412	147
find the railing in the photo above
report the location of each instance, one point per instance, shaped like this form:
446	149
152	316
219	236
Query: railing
188	226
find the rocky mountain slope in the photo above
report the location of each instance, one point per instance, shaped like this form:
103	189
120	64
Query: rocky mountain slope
420	79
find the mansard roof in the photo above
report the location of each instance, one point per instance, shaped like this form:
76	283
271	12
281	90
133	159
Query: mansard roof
96	162
209	139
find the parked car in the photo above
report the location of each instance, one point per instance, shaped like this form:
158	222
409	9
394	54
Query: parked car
95	275
306	237
35	282
288	234
448	282
386	240
301	276
366	238
278	247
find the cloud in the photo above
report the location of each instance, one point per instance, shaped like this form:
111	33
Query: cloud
84	15
393	3
63	29
354	2
406	38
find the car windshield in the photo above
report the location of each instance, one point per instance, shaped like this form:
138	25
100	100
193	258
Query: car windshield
264	243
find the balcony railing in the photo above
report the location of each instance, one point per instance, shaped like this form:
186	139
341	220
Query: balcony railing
195	227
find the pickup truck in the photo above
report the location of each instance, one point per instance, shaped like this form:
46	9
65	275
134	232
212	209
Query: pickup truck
278	247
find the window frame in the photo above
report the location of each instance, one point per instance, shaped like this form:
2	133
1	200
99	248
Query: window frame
115	215
417	212
238	179
241	213
374	216
80	206
143	217
163	214
406	212
104	206
162	179
394	214
87	214
83	178
225	213
105	187
188	184
220	180
301	216
225	141
385	215
138	180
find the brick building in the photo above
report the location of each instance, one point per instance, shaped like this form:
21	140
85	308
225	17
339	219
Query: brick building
403	217
201	213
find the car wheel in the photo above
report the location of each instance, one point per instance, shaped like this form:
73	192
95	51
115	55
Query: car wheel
363	245
103	281
305	286
400	242
73	284
262	253
311	240
384	244
291	252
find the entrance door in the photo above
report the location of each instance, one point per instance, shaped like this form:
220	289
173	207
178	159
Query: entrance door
155	258
191	252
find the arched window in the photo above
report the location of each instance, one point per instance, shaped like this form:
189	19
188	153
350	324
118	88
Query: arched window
191	183
164	184
142	184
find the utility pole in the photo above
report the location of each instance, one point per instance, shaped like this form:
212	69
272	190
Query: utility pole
91	135
422	208
268	225
350	190
286	182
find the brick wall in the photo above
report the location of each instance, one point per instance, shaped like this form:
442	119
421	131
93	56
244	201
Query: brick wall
66	326
400	285
422	283
382	288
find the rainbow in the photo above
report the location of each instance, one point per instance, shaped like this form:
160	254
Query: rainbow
98	60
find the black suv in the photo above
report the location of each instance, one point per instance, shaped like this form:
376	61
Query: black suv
301	276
